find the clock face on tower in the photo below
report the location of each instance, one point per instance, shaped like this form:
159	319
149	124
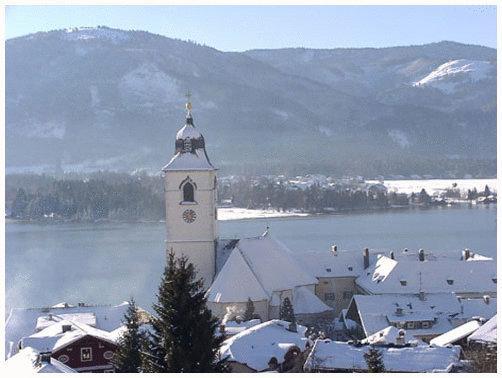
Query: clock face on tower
189	216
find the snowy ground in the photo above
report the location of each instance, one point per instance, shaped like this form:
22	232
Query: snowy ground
235	213
431	186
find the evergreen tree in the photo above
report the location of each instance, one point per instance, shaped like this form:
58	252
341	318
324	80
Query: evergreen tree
374	360
286	311
183	331
248	314
127	358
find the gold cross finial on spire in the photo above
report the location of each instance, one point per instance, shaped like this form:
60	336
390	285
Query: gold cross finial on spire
188	104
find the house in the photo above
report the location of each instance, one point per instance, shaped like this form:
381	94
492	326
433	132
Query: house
264	270
485	336
23	322
29	361
470	278
336	272
424	316
335	356
264	346
78	345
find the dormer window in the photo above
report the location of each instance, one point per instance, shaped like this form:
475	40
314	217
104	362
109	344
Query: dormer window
449	281
403	282
188	192
494	280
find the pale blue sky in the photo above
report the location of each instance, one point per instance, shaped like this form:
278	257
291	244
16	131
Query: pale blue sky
237	28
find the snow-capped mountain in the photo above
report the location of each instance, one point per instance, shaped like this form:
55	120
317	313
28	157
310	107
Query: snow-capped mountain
101	98
450	75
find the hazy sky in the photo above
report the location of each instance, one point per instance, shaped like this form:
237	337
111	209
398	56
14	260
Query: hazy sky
237	28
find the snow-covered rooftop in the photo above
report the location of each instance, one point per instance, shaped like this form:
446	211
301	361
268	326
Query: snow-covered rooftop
196	161
22	322
53	337
441	276
329	355
236	282
326	264
26	362
49	319
478	307
486	334
255	346
390	335
256	268
233	328
455	334
377	311
306	302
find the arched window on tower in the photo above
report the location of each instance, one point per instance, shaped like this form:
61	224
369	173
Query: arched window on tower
188	192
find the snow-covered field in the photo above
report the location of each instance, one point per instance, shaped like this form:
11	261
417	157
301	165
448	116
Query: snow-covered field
235	213
431	186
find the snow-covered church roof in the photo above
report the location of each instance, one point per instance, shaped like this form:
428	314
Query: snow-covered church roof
258	267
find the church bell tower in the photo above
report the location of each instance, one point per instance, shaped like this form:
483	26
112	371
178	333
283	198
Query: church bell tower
190	196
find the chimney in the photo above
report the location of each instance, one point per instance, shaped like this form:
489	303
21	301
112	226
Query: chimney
392	255
466	254
421	255
421	295
400	337
49	316
334	249
66	328
44	357
366	258
486	299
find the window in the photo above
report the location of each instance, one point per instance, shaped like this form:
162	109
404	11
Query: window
63	358
403	282
108	355
85	354
450	282
410	325
329	296
426	325
347	294
188	193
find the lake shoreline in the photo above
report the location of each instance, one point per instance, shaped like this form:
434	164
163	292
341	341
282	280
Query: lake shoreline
267	214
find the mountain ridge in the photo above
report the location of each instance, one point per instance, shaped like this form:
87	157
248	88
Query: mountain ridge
78	101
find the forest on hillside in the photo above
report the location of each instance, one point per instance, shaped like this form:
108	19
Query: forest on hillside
139	197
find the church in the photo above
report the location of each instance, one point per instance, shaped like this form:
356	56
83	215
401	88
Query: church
233	270
320	284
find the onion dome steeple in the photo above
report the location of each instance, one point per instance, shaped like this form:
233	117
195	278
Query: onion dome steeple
189	145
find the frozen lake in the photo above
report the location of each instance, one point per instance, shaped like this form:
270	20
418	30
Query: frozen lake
109	262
